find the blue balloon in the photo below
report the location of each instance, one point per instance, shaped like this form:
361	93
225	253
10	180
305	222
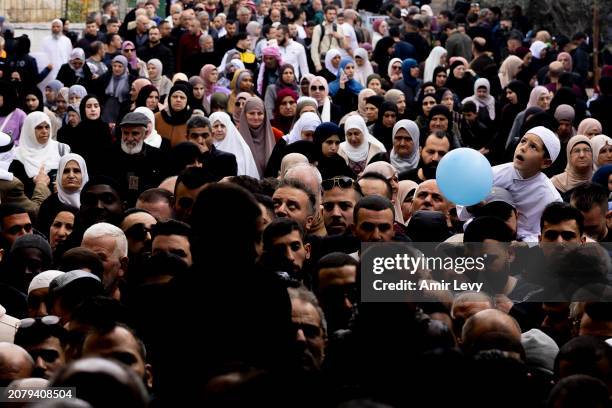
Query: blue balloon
464	176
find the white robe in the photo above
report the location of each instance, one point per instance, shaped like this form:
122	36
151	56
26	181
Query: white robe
58	50
530	196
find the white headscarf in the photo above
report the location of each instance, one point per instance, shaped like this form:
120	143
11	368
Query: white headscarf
72	199
432	61
536	49
331	54
235	144
599	142
412	161
362	73
307	121
154	139
389	67
488	102
359	153
6	158
32	154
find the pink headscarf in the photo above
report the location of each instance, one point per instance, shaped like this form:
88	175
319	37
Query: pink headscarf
268	52
133	59
204	73
457	58
566	54
588	125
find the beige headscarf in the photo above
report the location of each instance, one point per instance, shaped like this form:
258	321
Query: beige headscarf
599	142
509	69
261	140
571	178
387	171
405	187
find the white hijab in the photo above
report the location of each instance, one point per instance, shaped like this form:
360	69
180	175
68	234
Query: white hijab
32	154
362	73
488	102
72	199
154	139
331	54
599	142
432	61
359	153
412	161
6	158
307	121
235	144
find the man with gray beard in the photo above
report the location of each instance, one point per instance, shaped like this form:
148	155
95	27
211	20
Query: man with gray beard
136	165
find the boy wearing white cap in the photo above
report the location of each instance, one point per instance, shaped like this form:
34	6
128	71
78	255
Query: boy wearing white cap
531	190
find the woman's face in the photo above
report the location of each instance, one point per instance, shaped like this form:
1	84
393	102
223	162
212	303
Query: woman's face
605	156
92	109
317	91
359	61
219	131
396	68
389	118
371	112
304	86
307	135
459	71
246	85
61	228
414	72
50	95
428	103
330	146
74	99
72	178
382	28
429	90
198	91
287	107
401	104
151	69
31	102
77	63
442	60
448	101
511	96
308	108
544	100
407	208
336	61
119	69
354	137
42	132
374	84
288	76
60	104
403	144
349	70
581	157
591	133
438	122
255	118
178	101
213	77
73	118
153	100
482	92
441	79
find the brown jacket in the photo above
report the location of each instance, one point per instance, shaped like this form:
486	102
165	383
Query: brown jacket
12	192
174	133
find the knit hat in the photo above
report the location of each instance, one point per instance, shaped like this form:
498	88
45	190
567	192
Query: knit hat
440	110
43	279
33	241
540	350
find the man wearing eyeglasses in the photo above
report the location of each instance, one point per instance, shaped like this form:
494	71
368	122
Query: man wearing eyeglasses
44	339
340	194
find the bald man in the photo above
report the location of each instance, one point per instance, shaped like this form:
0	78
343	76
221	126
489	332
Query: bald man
310	176
428	197
492	329
136	87
15	363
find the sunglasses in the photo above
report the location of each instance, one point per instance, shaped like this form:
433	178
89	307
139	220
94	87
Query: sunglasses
320	88
342	182
397	67
137	232
49	320
129	49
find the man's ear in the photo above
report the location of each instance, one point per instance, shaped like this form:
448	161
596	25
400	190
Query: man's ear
309	221
124	265
307	248
510	254
546	163
148	377
1	254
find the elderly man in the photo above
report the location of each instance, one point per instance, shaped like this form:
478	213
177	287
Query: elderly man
57	47
310	327
135	165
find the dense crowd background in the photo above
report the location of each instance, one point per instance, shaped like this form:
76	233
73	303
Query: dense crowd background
184	194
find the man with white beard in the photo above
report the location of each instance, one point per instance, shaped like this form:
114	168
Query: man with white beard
134	164
57	47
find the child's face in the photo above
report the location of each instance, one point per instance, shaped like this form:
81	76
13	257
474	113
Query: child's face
529	156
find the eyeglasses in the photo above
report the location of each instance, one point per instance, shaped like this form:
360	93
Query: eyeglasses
137	232
16	229
49	320
342	182
396	67
320	88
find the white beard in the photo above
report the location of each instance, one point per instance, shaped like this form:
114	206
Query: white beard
132	150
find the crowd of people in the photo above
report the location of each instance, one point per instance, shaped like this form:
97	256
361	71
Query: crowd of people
184	194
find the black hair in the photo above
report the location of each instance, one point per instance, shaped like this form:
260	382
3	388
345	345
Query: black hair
8	209
98	180
279	228
249	183
266	201
198	122
297	184
499	209
371	175
582	356
579	391
39	332
438	133
469	106
373	203
182	155
109	38
95	46
329	7
105	330
557	212
241	36
101	312
171	227
154	195
394	31
81	258
587	195
336	260
482	228
194	177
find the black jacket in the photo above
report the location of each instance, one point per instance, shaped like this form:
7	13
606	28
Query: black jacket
222	164
67	76
162	53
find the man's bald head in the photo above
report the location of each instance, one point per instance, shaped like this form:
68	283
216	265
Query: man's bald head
308	175
137	86
15	363
491	329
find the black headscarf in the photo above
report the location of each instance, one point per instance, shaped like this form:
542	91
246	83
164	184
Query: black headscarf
381	55
8	92
463	87
143	94
335	165
94	139
380	132
173	117
32	91
522	92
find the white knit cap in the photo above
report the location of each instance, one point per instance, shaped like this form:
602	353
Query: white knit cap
43	279
550	140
